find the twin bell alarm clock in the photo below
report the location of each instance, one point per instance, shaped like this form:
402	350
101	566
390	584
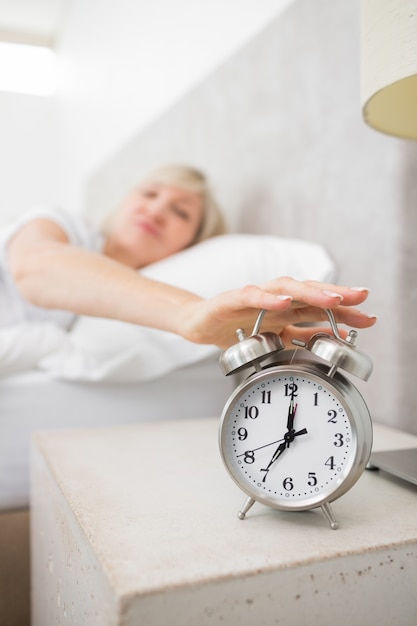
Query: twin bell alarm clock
296	434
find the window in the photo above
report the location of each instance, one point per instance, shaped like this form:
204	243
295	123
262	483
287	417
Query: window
27	69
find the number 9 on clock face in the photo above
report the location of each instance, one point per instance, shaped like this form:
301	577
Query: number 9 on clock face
293	438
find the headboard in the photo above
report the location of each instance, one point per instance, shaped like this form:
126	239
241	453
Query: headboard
279	131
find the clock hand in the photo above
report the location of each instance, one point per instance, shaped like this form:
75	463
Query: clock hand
291	414
260	447
285	439
275	456
288	439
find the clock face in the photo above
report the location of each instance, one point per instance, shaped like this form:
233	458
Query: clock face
290	439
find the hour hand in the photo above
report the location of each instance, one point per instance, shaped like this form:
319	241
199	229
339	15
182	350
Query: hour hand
285	444
275	456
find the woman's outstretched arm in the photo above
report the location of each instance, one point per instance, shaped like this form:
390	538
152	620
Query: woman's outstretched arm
51	273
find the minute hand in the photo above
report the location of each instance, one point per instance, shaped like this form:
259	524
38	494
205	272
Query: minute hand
288	437
291	414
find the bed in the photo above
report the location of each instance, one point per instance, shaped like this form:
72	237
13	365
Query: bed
105	372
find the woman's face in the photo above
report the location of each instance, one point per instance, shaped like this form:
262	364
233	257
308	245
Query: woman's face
153	222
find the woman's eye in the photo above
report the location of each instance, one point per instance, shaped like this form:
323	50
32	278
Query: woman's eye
180	212
149	193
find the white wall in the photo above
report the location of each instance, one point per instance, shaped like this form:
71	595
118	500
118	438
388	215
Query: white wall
279	130
122	64
30	170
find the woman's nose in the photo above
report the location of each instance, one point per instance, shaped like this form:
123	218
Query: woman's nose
157	209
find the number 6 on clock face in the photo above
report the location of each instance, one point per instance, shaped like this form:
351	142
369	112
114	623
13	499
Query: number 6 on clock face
295	439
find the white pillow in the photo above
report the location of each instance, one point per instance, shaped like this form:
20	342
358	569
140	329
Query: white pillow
104	350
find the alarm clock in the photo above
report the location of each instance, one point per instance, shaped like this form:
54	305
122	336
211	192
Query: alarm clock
296	434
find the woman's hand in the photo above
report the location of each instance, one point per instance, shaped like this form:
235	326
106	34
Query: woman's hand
289	302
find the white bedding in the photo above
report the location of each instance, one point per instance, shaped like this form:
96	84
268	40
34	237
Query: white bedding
105	372
32	401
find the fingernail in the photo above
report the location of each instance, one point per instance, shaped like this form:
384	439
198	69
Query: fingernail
359	289
332	294
370	316
281	297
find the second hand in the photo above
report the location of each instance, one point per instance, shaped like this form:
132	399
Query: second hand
260	447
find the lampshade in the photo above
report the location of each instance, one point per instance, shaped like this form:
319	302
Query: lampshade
389	66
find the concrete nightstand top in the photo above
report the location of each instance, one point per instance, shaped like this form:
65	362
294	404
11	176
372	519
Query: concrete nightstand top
137	525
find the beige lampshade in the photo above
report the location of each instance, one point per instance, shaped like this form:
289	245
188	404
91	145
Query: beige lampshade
389	66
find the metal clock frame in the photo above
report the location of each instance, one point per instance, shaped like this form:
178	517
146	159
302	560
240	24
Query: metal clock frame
325	354
360	423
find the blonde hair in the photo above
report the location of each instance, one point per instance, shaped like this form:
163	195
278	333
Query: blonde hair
213	222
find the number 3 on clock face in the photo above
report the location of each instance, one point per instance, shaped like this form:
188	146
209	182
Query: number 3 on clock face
292	439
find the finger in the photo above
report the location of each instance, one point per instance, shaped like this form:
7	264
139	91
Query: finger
343	315
353	317
253	297
351	295
313	315
325	295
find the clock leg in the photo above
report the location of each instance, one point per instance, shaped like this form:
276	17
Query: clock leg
245	508
334	525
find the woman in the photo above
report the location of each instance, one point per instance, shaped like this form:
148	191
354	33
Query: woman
55	267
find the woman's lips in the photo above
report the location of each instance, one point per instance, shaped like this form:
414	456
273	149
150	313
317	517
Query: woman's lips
148	227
